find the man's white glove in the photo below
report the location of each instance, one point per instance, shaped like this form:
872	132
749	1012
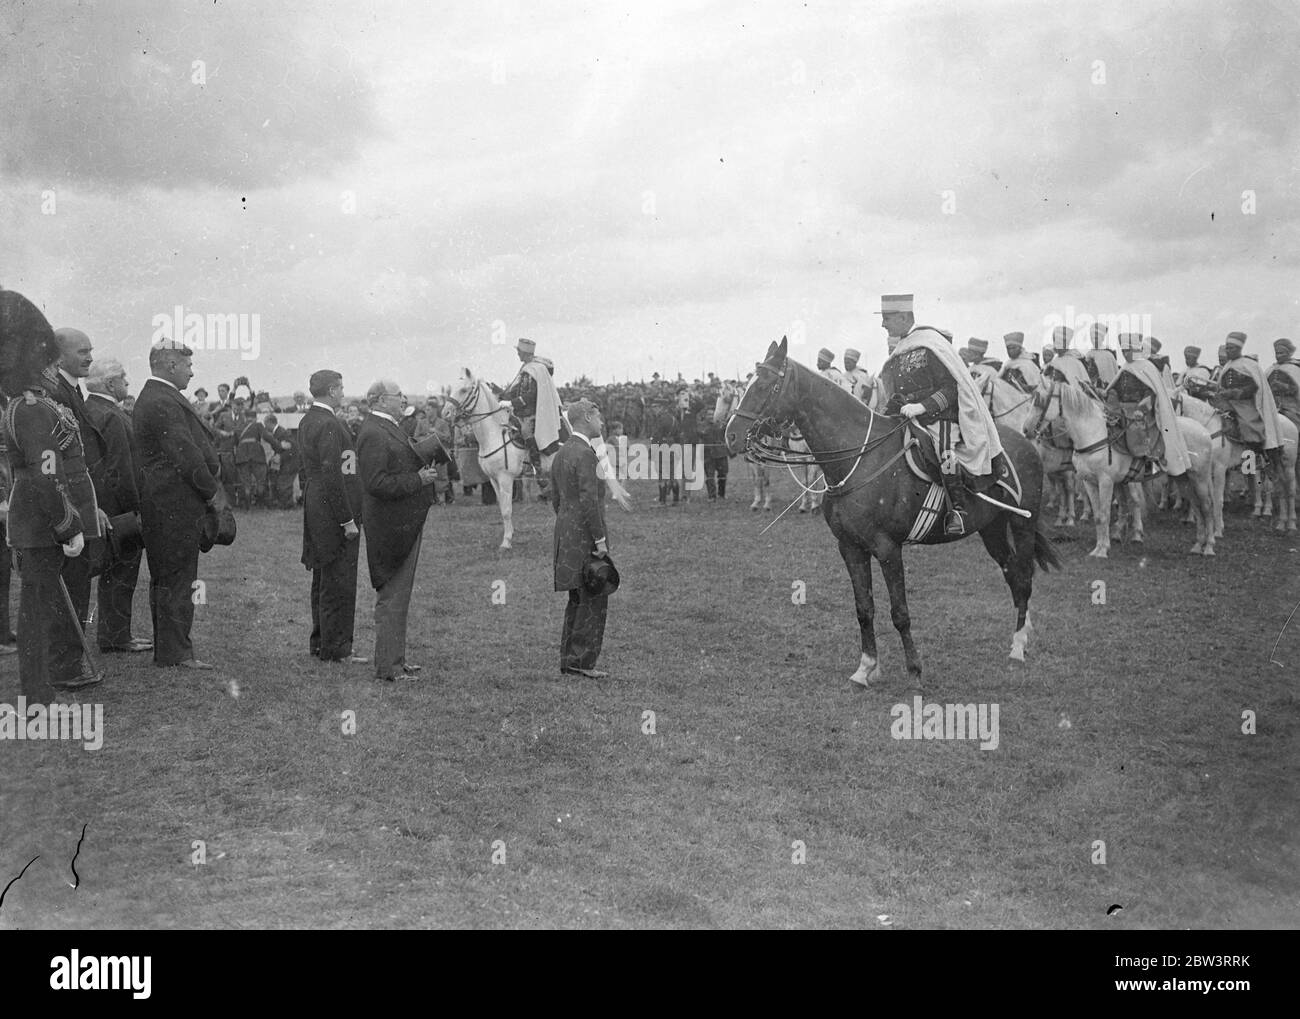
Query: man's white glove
73	548
350	529
105	524
912	410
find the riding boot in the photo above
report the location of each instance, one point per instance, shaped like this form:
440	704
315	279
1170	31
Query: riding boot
955	524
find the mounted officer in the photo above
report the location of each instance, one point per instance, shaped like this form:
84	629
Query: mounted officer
1138	400
857	381
924	380
1019	369
1100	361
535	402
1243	393
1284	380
826	365
1195	376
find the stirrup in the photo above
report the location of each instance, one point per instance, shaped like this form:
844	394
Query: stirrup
956	522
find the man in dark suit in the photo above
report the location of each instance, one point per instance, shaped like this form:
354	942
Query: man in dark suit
52	504
397	486
118	493
579	533
75	359
179	471
331	508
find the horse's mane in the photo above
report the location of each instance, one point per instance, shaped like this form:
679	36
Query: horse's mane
1076	401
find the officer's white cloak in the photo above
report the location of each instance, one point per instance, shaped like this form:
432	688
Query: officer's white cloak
979	435
1264	402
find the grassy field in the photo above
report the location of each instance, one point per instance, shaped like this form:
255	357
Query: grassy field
1123	727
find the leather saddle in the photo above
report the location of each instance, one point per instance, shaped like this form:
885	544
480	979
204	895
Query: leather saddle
928	461
1136	432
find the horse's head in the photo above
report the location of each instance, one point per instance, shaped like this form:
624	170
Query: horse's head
767	401
467	397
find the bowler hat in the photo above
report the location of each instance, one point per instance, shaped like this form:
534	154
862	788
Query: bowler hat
599	576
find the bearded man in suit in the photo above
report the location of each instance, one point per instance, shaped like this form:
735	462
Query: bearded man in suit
397	490
331	506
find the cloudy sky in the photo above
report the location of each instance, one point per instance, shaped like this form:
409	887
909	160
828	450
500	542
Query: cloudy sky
405	188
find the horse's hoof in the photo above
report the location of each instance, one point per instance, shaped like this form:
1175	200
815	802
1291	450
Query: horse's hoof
1017	654
1070	522
868	671
1208	550
1291	527
1255	512
1195	549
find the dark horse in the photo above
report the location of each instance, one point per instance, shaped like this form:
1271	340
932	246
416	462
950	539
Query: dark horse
872	497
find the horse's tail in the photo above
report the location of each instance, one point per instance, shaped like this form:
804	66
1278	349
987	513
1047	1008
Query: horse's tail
1045	554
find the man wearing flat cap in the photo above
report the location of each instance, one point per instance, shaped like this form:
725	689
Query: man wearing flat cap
857	380
180	480
925	380
1019	369
1284	380
535	401
1244	391
579	535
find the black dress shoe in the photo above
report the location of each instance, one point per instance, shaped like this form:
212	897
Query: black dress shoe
589	673
81	682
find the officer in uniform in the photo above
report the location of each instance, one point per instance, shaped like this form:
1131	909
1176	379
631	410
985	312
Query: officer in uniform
1019	369
523	395
1241	387
858	380
826	366
250	459
1284	380
52	507
1100	361
926	381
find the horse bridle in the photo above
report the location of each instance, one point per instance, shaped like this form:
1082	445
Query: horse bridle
757	451
465	414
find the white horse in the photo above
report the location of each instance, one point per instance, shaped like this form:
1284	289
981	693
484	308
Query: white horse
1229	454
1006	403
501	456
1101	467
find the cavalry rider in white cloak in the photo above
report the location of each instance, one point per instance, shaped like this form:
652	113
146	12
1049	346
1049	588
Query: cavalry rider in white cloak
983	369
1139	395
1195	375
1019	369
1284	379
1243	389
536	403
925	380
857	380
1102	366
